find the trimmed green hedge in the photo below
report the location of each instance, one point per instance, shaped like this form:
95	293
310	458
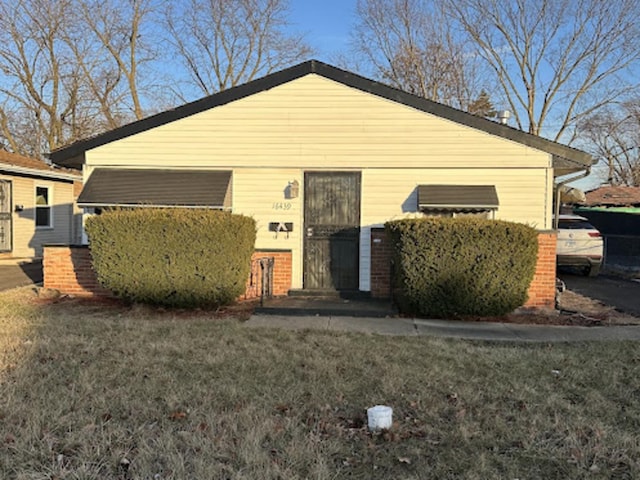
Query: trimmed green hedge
446	267
172	257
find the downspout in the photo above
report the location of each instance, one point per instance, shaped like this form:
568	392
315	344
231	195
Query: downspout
558	186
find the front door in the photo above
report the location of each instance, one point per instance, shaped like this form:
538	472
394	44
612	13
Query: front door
5	216
332	230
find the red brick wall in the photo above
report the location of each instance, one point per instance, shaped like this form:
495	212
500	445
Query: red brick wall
380	264
68	269
281	273
541	291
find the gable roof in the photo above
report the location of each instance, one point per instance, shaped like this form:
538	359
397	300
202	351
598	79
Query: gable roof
565	159
14	163
619	196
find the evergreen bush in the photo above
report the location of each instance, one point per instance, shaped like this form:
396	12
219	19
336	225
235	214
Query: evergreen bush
447	267
172	257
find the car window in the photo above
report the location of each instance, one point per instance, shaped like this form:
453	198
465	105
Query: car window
575	225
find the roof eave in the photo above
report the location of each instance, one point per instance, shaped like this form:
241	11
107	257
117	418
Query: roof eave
34	172
75	150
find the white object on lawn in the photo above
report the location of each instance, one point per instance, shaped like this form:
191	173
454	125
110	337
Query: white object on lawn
379	417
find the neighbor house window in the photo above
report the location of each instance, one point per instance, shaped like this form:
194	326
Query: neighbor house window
43	207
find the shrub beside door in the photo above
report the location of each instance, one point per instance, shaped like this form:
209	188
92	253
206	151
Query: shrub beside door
447	267
172	257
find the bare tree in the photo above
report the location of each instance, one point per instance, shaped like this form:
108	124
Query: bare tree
614	138
70	68
410	46
35	89
227	42
557	62
125	44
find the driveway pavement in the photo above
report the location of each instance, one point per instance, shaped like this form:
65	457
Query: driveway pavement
622	294
20	274
499	332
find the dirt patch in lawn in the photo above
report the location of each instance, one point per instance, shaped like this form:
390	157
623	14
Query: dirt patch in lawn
574	310
240	310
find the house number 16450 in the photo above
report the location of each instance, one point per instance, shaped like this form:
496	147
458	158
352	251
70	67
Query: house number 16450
281	206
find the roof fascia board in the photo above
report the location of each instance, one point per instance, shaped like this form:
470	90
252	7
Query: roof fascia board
182	111
453	114
344	77
39	173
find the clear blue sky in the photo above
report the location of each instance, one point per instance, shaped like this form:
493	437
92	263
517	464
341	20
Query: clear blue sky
326	23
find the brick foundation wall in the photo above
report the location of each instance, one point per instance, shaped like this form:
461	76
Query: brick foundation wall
281	273
541	293
380	264
68	270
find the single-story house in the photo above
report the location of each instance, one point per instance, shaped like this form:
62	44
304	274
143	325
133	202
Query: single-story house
615	212
37	206
322	158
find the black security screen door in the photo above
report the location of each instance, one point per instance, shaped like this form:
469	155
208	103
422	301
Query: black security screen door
5	216
332	230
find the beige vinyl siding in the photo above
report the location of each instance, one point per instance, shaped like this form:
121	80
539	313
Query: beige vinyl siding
314	122
27	239
269	139
521	192
524	196
260	194
388	194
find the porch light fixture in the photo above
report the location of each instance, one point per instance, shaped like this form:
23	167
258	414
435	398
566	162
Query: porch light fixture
292	190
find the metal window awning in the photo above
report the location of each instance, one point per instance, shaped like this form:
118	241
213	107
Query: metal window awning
458	197
127	187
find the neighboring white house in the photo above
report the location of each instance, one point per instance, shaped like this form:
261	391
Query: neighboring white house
37	206
319	156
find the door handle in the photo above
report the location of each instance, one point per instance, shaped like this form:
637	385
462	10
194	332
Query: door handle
309	231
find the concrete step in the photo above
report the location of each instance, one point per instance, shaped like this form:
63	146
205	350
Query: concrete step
331	306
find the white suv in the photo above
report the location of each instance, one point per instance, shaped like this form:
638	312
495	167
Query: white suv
579	244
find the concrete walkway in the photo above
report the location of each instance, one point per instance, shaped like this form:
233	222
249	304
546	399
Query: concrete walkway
499	332
17	273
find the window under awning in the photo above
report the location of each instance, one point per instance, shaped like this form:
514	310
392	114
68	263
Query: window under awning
457	197
127	187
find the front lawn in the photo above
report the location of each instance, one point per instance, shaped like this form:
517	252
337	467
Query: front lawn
94	391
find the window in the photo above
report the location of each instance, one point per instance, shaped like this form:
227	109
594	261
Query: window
488	214
43	207
458	201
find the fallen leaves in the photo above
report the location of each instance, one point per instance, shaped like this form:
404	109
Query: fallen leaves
177	415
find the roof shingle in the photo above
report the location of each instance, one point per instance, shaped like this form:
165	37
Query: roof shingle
16	160
618	196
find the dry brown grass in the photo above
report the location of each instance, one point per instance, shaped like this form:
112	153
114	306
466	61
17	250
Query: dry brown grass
95	391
